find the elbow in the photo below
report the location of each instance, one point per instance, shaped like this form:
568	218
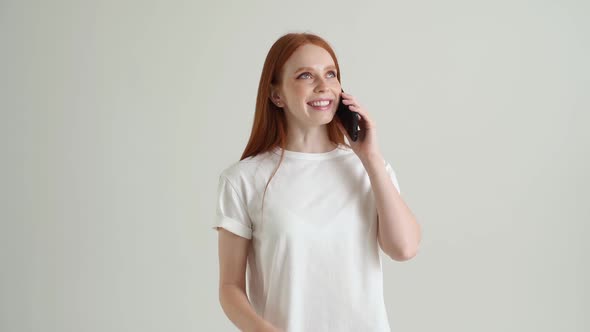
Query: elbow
398	254
402	257
407	251
402	254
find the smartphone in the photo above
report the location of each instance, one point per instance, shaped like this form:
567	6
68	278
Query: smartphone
349	119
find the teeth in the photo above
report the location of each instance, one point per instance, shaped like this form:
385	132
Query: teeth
321	103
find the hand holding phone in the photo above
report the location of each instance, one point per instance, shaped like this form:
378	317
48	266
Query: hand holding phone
349	119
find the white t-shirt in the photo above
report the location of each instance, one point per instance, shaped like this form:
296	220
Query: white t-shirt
314	264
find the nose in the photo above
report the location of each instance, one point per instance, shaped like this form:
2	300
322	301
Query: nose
321	86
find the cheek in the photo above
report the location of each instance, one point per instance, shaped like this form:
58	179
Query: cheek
301	92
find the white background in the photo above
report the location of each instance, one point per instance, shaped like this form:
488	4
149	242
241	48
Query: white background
118	116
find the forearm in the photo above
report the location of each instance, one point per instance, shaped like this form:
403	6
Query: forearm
399	232
238	309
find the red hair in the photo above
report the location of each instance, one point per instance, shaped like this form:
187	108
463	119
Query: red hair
269	129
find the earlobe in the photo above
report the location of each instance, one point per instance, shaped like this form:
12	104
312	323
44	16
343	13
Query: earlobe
275	98
277	102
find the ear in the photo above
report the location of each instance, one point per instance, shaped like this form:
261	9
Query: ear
275	96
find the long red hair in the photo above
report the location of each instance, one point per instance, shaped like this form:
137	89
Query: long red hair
269	129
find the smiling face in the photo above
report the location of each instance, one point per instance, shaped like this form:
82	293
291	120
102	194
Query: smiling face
308	77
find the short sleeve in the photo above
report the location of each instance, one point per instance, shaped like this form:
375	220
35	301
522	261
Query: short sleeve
393	177
231	211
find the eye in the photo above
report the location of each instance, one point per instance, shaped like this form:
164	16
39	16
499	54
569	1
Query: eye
307	73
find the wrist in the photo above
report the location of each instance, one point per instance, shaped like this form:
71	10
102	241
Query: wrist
372	157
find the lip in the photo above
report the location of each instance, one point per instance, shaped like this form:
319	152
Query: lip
321	99
321	108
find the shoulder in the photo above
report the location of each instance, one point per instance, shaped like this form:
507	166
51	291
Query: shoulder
245	168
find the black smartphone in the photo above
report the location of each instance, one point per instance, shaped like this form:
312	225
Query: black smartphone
349	119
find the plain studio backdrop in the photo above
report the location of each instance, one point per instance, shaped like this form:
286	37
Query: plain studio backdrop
118	116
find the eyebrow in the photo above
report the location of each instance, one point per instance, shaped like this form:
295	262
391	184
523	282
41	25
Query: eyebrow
309	68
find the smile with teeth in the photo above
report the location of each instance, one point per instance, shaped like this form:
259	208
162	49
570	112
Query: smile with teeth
321	105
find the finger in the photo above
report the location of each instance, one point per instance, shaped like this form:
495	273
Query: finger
359	110
347	97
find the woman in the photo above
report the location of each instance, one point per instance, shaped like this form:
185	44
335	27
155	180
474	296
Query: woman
310	238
